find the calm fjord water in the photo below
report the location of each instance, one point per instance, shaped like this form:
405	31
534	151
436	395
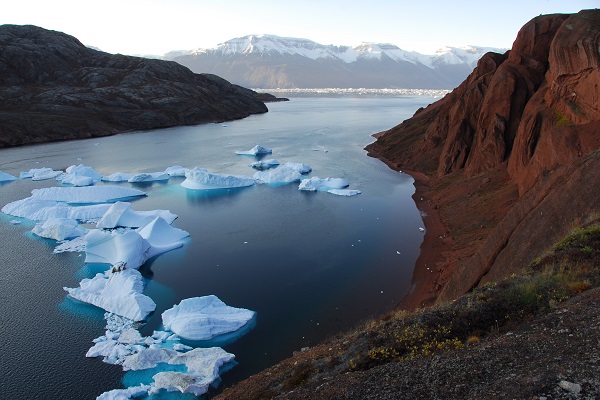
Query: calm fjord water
309	264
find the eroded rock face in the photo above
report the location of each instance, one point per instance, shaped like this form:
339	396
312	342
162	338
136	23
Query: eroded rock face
534	113
53	88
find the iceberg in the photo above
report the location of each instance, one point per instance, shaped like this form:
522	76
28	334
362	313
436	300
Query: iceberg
161	237
326	184
149	177
201	179
265	164
41	210
203	318
116	292
286	173
256	150
40	174
176	171
344	192
79	175
121	214
125	394
117	177
86	195
58	229
4	177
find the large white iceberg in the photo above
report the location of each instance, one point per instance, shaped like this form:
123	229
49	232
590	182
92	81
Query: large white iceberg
41	210
162	237
79	175
125	394
286	173
4	177
256	150
326	184
117	292
264	164
40	174
203	318
201	179
121	214
58	229
149	177
176	171
86	195
117	177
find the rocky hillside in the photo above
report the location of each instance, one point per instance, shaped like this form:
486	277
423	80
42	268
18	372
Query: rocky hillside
509	159
269	61
54	88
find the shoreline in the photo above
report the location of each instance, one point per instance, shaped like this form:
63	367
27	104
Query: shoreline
425	284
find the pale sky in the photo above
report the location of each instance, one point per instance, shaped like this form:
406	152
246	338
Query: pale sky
159	26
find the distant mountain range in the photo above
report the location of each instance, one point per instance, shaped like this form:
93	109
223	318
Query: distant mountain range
269	61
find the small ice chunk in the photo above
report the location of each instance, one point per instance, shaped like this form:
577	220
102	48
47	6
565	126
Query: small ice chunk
58	229
265	164
201	179
344	192
86	195
121	214
75	180
125	394
256	150
79	175
315	183
148	358
4	177
149	177
300	167
421	229
203	318
119	293
40	174
176	171
181	347
117	177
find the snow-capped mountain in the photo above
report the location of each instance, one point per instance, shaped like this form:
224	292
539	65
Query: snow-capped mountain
269	61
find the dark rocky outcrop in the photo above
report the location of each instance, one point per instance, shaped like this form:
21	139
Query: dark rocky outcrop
512	155
54	88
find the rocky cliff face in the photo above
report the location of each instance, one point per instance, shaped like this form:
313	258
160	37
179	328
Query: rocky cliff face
54	88
512	153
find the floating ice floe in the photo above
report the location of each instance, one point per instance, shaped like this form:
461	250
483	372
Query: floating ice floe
116	292
264	164
203	318
79	175
344	192
286	173
324	185
149	177
176	171
41	210
201	179
40	174
86	195
125	394
117	177
256	150
58	229
4	177
121	214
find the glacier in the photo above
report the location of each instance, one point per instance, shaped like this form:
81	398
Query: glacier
204	318
201	179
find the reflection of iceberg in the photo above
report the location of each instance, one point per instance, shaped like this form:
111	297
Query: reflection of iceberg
203	318
201	179
256	150
58	229
149	177
116	292
265	164
315	183
4	177
121	214
86	195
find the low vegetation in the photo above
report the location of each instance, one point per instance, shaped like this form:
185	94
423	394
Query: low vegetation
569	268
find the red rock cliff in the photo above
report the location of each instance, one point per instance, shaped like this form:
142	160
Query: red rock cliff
512	154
